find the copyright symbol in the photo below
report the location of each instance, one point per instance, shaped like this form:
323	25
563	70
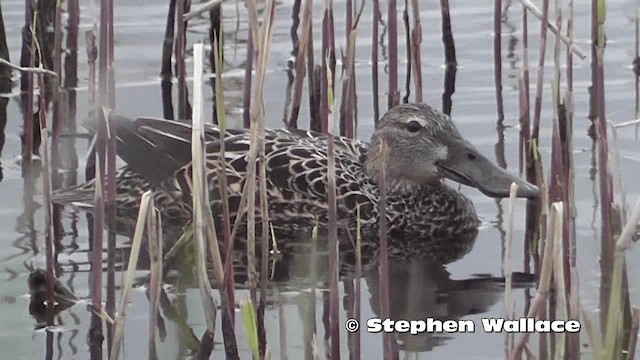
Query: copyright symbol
352	325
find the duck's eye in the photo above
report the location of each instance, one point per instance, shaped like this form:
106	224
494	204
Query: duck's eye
414	126
471	156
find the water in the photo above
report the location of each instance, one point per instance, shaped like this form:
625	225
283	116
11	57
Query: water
457	292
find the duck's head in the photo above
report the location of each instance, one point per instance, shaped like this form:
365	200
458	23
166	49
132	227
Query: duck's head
419	145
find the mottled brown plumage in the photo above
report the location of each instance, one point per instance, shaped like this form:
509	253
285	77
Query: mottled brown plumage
415	145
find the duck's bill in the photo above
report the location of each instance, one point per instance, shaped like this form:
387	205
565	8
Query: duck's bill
466	165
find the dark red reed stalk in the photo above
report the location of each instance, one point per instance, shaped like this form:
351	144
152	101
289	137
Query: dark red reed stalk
302	52
264	242
497	58
407	32
324	82
416	42
184	111
374	59
27	59
357	293
57	108
226	284
46	190
447	35
607	242
593	98
334	305
451	63
166	74
92	56
215	18
246	98
71	53
95	330
5	83
392	26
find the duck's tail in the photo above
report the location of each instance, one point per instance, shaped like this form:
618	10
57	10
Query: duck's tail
81	196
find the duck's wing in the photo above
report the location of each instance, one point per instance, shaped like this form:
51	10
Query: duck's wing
302	168
296	161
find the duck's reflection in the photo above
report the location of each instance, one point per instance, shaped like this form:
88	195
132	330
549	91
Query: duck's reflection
418	288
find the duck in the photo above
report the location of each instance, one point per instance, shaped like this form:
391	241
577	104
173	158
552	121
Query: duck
415	146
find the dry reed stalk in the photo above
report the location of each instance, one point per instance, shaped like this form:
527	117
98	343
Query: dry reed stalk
348	102
106	152
255	117
146	203
561	306
527	155
393	97
497	59
633	334
509	304
574	313
546	271
613	345
154	238
224	274
416	42
334	305
256	148
607	263
301	57
111	220
310	321
596	342
250	327
540	78
383	256
527	4
374	59
328	67
200	203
